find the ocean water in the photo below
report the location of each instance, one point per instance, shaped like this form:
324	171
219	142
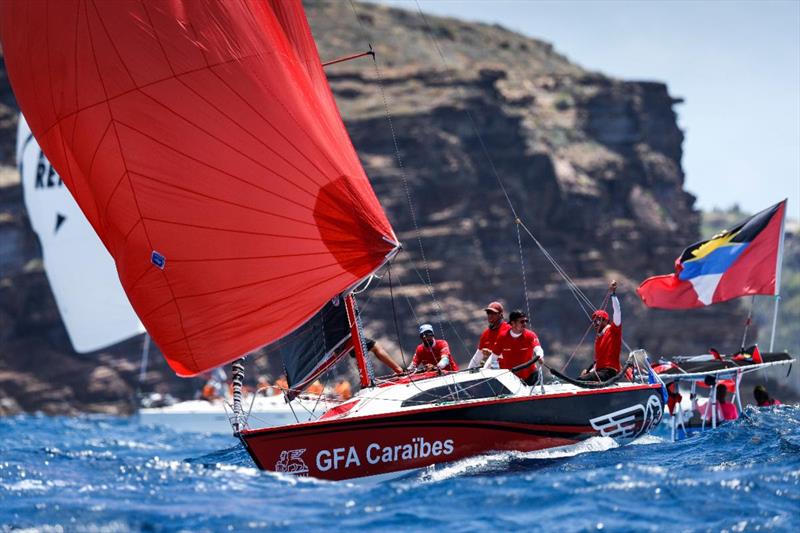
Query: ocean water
111	474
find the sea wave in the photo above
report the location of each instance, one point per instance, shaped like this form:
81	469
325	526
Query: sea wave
110	474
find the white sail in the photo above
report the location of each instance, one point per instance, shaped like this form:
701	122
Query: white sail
81	273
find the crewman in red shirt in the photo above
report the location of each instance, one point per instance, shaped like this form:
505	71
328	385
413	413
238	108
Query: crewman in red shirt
607	343
497	326
516	346
432	353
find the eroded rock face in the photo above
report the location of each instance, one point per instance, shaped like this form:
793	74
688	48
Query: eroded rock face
592	166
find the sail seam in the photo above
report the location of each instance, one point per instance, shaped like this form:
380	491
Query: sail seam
222	142
267	147
227	230
258	310
211	68
253	258
221	171
227	202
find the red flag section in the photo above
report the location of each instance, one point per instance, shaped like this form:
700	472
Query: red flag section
738	262
202	142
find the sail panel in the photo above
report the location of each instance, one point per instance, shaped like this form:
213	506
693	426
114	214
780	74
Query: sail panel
203	144
315	346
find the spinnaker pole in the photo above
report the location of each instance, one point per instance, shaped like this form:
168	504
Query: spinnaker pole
777	283
369	52
364	365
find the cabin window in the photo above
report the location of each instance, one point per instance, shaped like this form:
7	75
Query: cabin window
466	390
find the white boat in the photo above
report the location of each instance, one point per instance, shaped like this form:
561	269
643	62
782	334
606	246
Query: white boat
202	416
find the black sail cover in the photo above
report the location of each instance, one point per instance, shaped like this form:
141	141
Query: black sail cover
315	346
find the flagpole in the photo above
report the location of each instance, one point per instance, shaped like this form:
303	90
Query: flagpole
774	321
748	321
778	280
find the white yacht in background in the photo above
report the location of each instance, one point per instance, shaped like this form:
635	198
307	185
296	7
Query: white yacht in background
213	417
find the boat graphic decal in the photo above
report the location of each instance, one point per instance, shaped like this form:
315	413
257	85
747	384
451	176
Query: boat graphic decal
291	462
630	422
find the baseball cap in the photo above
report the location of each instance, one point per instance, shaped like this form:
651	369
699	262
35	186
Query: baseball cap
496	307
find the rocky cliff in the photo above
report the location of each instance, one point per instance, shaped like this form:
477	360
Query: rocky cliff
591	164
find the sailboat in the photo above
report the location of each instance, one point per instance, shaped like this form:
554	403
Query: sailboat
204	145
94	319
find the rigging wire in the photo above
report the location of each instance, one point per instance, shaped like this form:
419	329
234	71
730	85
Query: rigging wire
403	176
444	319
522	266
394	316
577	293
583	301
585	333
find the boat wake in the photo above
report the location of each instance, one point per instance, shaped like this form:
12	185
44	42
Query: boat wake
517	461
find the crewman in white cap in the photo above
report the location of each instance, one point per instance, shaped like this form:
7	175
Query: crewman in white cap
432	353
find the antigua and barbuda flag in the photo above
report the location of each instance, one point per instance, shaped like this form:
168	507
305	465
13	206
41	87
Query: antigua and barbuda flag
740	261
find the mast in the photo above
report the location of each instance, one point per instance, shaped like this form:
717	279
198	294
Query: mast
364	365
778	281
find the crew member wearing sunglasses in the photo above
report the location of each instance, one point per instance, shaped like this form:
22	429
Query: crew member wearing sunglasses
432	353
516	346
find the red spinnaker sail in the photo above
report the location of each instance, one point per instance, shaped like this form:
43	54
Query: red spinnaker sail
202	142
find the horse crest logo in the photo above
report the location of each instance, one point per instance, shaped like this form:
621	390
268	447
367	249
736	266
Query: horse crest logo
291	462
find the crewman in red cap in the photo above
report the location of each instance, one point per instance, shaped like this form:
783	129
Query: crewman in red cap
607	343
497	326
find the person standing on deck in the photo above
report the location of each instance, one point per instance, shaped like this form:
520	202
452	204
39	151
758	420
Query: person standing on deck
516	346
497	326
607	343
432	353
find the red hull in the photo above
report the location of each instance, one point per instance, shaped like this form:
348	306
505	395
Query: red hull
372	445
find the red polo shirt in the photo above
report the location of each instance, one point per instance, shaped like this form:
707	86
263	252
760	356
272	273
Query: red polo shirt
515	351
431	356
607	346
489	335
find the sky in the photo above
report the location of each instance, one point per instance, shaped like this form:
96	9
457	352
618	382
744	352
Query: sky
735	63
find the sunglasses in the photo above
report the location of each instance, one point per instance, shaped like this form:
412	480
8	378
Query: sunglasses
523	320
492	313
